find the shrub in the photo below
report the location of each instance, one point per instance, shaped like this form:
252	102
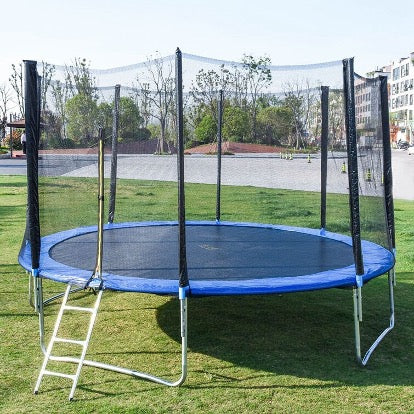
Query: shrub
235	124
206	130
16	140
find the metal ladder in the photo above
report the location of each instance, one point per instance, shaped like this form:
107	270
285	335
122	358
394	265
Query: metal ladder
83	343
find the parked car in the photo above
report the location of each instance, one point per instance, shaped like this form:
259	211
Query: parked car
411	150
402	144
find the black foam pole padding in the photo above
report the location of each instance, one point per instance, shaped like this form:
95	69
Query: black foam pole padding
389	201
324	150
351	141
114	156
32	119
182	254
219	139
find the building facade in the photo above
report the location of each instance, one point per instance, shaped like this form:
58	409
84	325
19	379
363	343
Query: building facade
401	99
367	105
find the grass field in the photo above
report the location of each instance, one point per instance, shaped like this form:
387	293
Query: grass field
270	354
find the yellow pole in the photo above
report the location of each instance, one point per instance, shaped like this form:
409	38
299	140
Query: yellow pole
99	250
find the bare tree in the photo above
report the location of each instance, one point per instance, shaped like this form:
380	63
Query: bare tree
258	77
299	98
79	79
239	88
336	117
16	80
315	119
161	99
144	103
5	99
204	90
60	94
48	71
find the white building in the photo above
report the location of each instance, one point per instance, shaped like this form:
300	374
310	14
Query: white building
401	90
367	106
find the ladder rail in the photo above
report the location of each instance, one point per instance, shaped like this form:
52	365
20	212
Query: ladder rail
86	343
51	342
55	339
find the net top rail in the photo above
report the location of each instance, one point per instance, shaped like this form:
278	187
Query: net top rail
306	75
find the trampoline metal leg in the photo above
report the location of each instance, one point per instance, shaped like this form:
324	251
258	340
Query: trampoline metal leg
38	305
153	378
358	318
149	377
31	287
60	295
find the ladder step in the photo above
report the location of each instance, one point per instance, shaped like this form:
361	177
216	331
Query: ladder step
59	374
64	359
70	341
79	308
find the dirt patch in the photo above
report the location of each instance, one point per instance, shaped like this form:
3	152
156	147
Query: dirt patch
234	148
150	147
138	147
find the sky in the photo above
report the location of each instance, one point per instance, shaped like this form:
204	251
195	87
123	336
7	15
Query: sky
111	33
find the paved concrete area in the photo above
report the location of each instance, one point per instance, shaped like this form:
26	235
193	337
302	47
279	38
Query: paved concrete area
403	174
12	166
246	170
260	170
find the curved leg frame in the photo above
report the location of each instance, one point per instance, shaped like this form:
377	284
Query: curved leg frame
358	319
183	322
32	293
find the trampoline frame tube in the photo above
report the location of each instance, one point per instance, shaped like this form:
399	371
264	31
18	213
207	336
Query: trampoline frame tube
32	295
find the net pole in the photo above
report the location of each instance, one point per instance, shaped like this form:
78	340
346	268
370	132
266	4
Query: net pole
351	140
324	150
389	201
182	255
97	274
32	125
114	155
219	139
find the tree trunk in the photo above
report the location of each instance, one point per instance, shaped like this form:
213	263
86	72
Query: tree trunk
161	143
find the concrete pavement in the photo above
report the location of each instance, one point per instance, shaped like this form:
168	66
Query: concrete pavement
259	170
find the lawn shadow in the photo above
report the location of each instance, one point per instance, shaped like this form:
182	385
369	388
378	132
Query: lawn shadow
10	212
308	334
14	184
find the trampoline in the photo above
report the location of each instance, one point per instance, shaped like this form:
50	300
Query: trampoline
223	259
188	258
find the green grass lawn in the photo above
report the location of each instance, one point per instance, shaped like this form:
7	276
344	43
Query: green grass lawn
254	354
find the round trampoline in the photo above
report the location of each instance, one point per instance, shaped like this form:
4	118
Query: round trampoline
200	258
223	259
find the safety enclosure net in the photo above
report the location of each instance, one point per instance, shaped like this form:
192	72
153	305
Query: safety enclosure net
250	124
